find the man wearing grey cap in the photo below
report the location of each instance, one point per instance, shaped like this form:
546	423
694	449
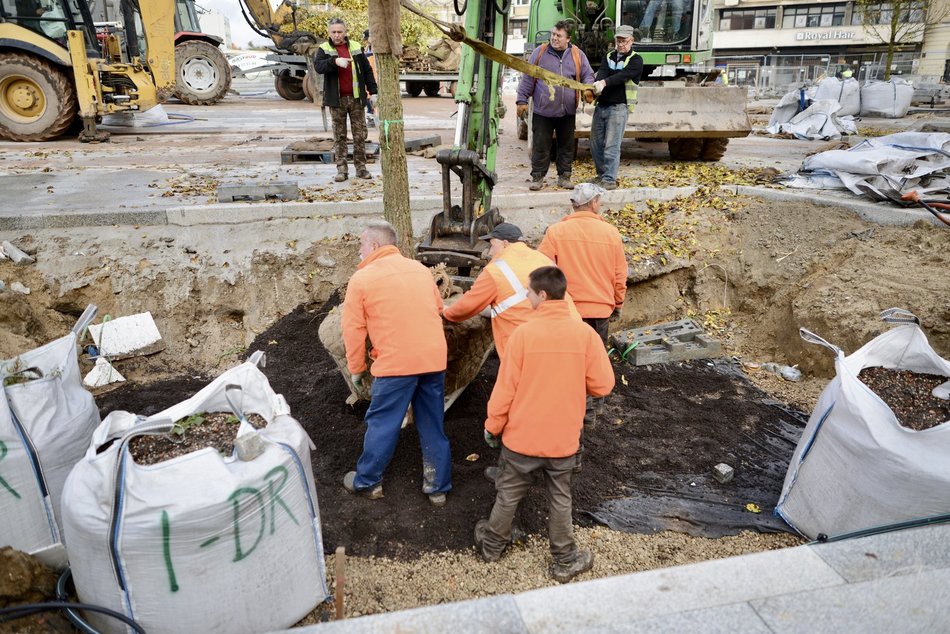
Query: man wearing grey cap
502	284
590	252
616	86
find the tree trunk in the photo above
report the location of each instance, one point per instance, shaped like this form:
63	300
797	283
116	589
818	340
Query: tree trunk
387	48
892	40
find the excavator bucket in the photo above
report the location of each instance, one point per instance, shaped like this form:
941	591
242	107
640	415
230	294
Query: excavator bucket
680	111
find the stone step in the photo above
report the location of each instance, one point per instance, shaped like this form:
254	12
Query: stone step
661	343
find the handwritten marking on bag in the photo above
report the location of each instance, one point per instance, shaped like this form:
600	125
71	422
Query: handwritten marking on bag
246	502
167	551
3	483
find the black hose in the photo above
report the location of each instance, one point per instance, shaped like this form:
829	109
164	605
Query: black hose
19	611
937	214
878	530
460	11
503	9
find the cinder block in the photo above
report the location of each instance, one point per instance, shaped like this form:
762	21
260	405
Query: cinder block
280	191
673	341
723	472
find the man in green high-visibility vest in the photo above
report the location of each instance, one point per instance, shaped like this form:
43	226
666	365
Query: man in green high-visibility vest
616	87
348	82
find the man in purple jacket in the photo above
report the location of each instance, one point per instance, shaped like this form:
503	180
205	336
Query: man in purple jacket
552	124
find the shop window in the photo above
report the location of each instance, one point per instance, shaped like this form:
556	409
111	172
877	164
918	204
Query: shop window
745	19
881	12
813	16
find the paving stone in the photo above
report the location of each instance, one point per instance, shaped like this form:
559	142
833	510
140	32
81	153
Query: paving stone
269	191
601	603
889	554
661	343
905	604
738	618
495	615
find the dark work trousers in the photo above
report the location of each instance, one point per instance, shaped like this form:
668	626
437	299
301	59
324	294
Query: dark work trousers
551	136
595	406
516	477
353	109
599	324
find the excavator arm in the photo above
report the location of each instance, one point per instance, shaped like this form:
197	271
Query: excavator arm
453	234
265	20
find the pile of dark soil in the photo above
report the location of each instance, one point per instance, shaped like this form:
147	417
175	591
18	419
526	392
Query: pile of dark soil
661	432
214	429
25	580
909	395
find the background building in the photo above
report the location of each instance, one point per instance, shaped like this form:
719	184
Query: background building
774	45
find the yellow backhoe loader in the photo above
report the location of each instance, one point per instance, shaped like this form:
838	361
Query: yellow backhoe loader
54	73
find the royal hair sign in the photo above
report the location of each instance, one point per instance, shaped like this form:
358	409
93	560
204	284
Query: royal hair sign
811	36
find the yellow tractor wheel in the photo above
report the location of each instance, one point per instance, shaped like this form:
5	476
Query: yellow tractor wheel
37	99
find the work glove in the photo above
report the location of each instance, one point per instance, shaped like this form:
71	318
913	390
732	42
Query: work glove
522	110
599	86
342	62
357	380
492	440
615	316
588	96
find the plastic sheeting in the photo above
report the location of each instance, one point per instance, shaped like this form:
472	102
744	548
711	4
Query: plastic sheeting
200	542
856	466
45	426
819	120
883	168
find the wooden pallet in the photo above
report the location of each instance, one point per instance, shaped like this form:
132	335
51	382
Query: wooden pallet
290	154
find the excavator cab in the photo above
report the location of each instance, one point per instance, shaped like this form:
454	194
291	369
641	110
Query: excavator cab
453	234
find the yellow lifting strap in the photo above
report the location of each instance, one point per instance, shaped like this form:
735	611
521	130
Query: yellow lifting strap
457	33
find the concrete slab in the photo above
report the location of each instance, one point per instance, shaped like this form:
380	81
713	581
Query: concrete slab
599	604
907	603
890	554
738	618
489	616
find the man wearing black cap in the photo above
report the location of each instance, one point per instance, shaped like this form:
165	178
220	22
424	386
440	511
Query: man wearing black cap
502	285
616	85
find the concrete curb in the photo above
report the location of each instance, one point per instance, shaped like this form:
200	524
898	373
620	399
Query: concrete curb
520	208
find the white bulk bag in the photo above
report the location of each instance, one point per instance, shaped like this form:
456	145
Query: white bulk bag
888	99
45	427
856	466
200	542
847	92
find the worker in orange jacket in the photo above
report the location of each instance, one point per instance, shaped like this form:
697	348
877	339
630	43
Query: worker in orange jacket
590	252
394	301
502	285
536	409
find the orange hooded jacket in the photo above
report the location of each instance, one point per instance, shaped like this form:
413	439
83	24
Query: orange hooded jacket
590	252
492	287
553	362
395	302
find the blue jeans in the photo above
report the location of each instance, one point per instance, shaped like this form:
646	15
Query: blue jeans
391	396
676	7
606	134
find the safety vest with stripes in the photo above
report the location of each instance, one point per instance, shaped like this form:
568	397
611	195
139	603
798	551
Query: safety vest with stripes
355	49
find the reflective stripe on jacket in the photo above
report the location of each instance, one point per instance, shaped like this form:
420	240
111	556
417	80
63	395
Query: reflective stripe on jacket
503	285
590	252
553	362
394	301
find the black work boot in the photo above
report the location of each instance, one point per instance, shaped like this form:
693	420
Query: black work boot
480	527
582	561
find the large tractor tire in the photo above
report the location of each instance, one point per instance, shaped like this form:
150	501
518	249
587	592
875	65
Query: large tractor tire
288	86
37	99
414	88
713	149
202	73
431	88
685	149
